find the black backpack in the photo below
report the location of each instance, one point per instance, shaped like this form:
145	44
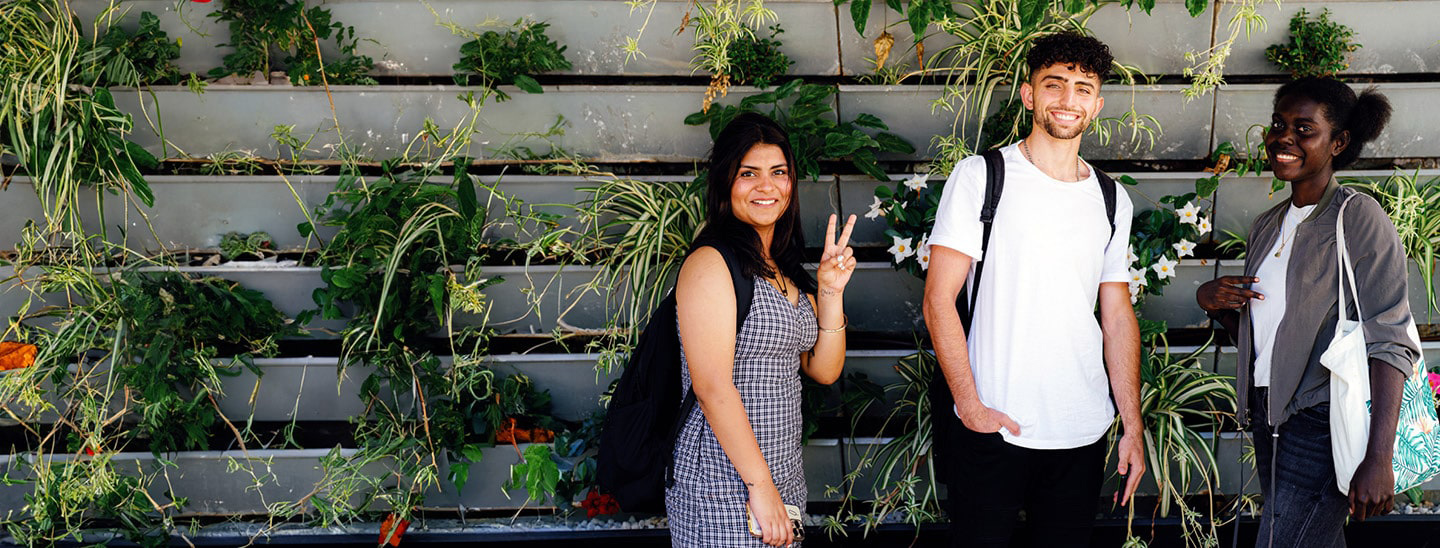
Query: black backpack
943	420
646	412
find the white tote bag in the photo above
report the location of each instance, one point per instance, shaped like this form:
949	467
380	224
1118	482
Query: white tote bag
1417	439
1349	366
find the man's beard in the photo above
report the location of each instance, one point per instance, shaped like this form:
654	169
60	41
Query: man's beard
1048	124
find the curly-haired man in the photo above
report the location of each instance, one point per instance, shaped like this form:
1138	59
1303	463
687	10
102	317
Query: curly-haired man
1033	407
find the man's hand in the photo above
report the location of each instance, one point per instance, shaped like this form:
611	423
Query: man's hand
1372	489
1131	453
985	420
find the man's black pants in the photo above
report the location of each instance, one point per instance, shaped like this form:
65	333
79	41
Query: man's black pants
991	481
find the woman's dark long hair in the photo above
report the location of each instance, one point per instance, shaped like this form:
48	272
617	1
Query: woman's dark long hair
788	244
1364	116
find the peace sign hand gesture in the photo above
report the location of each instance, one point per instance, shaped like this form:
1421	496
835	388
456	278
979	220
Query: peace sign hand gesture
837	262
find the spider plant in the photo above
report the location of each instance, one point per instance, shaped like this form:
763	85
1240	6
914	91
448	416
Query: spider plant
1178	400
640	231
1414	207
903	469
993	38
65	133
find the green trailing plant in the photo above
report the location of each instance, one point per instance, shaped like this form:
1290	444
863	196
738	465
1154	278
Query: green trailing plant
804	111
992	41
176	327
1233	245
901	469
64	399
1207	67
1317	47
64	132
1162	237
269	35
396	262
718	27
1414	207
1179	400
239	245
145	57
512	57
638	232
758	61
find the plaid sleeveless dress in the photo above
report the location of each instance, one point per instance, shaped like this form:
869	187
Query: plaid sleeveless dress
706	505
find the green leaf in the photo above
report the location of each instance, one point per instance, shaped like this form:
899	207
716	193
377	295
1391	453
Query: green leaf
1276	185
890	142
870	121
1128	180
1074	6
527	84
696	118
140	156
465	189
1196	7
1225	148
919	18
1206	186
860	14
137	182
1147	5
864	160
1032	12
459	474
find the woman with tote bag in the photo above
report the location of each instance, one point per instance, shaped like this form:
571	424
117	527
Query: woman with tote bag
1282	315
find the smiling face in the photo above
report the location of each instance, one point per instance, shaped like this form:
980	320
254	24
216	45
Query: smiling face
1064	99
1301	142
760	192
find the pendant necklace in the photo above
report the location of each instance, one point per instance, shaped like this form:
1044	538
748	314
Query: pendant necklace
1283	240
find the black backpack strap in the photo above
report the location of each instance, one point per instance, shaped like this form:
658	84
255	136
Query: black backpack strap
1107	189
744	294
994	187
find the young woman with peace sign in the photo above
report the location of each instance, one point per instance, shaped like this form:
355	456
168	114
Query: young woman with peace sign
739	450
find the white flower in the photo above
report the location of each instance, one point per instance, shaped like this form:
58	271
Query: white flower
1165	268
1185	248
1203	226
923	252
917	183
901	249
1189	214
1134	293
1137	278
1130	257
875	209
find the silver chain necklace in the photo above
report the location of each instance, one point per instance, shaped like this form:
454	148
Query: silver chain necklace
1025	148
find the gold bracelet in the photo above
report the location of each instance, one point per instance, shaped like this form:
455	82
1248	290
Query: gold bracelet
838	329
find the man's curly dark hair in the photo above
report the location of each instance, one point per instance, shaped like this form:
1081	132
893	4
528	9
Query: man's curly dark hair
1070	48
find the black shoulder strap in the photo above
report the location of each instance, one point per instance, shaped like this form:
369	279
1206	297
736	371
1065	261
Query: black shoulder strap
744	294
994	187
1107	189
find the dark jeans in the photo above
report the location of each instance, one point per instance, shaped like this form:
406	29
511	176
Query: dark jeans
991	481
1303	507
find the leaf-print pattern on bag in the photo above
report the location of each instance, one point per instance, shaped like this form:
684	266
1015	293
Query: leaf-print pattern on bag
1417	433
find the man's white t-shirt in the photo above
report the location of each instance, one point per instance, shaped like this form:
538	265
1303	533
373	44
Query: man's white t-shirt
1265	314
1036	349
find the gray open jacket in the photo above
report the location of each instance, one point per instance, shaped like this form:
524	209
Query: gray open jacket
1297	379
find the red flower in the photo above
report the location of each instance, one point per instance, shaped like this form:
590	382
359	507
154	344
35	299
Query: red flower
389	536
599	504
